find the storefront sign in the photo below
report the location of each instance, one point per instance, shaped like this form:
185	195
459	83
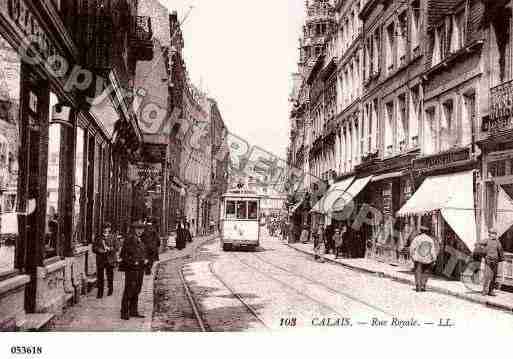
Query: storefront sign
501	108
20	13
442	160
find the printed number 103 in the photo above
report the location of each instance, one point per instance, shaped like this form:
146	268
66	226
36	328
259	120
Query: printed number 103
287	322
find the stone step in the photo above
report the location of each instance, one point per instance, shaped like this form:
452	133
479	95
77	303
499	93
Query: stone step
34	322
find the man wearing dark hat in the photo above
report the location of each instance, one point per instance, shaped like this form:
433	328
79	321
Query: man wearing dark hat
134	261
494	255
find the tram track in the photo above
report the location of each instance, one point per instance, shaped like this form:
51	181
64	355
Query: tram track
203	325
326	287
290	287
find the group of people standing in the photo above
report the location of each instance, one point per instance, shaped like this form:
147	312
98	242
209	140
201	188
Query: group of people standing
331	238
134	256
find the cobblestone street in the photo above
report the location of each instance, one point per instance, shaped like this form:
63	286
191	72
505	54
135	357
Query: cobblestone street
277	288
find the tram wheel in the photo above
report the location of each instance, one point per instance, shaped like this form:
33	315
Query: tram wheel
226	247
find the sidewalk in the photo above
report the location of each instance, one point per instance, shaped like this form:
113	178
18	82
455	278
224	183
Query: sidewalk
502	300
92	314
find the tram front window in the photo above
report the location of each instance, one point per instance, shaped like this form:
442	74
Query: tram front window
252	210
230	209
242	210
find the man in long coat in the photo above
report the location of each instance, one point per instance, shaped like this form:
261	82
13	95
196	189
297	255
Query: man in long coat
134	262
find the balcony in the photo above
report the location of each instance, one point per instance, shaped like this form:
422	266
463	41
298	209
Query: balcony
141	37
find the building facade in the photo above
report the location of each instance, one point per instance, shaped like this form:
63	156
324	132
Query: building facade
65	110
415	113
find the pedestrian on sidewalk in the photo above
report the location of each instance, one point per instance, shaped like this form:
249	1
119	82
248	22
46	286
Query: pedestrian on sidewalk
188	234
320	248
106	248
151	242
133	263
494	255
338	240
424	252
328	238
181	235
304	234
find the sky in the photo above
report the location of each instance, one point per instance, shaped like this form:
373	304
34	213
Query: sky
243	53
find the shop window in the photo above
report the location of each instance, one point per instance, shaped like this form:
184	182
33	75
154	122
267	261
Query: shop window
52	230
10	73
79	194
497	169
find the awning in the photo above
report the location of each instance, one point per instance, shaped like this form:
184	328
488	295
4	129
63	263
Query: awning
453	196
351	193
504	211
325	204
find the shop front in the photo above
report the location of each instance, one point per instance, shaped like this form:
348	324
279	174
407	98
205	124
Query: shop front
384	234
445	202
498	203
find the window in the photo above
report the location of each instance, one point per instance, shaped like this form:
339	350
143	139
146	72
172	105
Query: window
242	210
447	127
438	46
389	128
230	209
458	32
376	51
402	39
467	120
389	47
369	60
429	140
402	124
52	230
414	116
415	27
10	81
356	134
374	125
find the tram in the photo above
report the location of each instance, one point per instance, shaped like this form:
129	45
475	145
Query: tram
240	223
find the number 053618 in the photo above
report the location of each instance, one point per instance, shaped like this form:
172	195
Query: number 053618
26	349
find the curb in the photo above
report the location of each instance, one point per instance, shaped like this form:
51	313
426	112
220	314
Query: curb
436	289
